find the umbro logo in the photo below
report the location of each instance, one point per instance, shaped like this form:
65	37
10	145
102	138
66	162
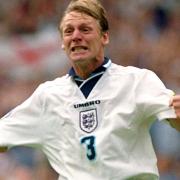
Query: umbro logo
87	104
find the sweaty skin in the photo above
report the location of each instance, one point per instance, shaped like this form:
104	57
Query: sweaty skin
83	42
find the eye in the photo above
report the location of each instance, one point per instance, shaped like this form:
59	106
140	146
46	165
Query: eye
68	31
85	29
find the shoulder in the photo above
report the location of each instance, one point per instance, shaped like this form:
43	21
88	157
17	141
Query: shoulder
116	69
56	83
59	85
134	75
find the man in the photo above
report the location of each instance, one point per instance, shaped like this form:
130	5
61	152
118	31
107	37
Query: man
93	123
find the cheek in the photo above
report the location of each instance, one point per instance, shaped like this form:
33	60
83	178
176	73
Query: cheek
65	42
97	45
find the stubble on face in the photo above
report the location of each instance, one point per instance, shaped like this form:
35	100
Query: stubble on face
82	40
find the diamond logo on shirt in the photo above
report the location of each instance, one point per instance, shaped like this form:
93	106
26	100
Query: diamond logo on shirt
88	120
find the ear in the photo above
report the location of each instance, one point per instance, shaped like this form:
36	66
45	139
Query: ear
105	38
62	46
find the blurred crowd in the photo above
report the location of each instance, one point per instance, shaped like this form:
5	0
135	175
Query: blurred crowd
143	33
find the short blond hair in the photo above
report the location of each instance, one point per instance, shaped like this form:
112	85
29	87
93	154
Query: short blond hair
92	8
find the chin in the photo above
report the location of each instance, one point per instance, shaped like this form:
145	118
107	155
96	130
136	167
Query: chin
79	59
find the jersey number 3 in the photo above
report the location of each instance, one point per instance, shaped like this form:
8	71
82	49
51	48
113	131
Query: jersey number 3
89	141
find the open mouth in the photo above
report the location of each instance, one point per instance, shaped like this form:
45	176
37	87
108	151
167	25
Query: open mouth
79	48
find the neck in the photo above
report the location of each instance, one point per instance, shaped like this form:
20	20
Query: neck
84	68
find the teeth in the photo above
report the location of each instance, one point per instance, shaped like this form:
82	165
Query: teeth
78	48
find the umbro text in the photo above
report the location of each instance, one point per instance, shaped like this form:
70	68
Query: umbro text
87	104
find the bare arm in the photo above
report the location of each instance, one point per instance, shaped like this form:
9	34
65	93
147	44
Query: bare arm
176	104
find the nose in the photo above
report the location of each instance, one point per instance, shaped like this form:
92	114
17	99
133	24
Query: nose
76	36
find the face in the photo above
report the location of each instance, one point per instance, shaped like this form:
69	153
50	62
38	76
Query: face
82	38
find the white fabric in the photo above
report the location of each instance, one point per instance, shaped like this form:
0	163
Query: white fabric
126	101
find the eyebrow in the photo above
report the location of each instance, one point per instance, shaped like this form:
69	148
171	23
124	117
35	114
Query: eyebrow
68	25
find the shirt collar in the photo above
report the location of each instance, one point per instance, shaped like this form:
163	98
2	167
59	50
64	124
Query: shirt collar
103	67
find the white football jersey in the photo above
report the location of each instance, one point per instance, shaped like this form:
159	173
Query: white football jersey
102	137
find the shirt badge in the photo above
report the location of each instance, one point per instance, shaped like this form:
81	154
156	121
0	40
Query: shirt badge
88	120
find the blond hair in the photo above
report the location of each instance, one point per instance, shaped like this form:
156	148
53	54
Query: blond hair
92	8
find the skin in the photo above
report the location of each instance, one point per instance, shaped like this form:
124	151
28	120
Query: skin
84	44
83	33
175	103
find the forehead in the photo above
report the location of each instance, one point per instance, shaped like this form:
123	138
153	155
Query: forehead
77	18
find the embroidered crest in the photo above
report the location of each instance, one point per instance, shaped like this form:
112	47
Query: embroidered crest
88	120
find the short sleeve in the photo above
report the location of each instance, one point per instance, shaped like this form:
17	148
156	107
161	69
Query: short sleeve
22	126
153	97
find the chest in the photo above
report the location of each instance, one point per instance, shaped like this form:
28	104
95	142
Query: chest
93	127
108	106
